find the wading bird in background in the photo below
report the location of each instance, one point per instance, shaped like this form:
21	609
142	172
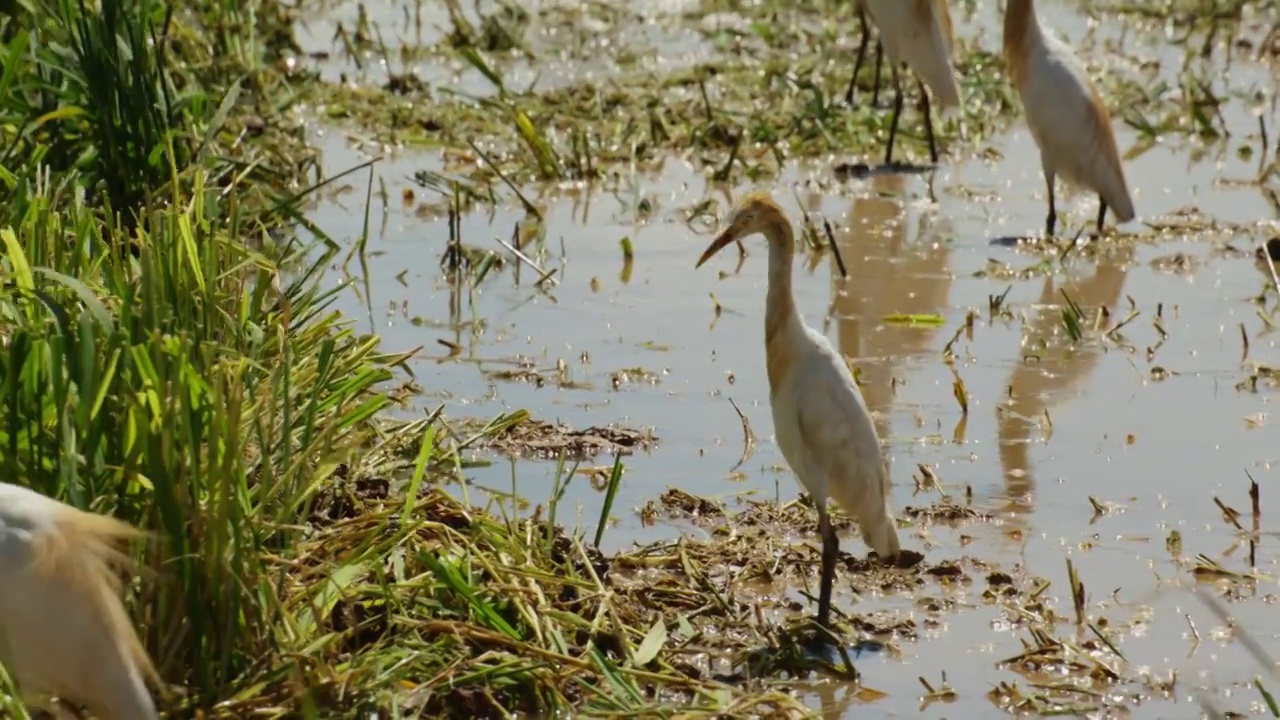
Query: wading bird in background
1034	390
820	420
1068	120
862	53
919	33
64	631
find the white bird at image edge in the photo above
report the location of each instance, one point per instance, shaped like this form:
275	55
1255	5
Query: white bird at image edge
64	631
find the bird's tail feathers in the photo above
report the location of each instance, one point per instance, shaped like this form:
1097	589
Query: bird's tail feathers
85	557
1120	202
933	59
1112	186
1108	166
881	535
935	69
947	27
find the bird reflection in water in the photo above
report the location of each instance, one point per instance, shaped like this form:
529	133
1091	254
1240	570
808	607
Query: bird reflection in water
887	275
1049	368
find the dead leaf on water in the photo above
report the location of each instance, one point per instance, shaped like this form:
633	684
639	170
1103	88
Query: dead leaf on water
870	695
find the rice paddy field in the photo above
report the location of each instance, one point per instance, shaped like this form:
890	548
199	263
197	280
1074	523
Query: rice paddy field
384	319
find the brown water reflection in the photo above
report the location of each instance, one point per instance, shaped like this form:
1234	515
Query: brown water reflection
887	275
1048	368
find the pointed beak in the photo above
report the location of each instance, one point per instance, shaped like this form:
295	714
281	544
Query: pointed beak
723	239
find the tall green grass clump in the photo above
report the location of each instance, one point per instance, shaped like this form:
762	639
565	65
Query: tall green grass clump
155	361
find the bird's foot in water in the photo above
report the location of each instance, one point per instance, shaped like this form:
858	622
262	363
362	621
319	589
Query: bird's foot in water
1012	241
897	166
820	639
828	652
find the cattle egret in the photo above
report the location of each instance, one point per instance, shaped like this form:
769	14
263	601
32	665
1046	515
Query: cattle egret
919	33
822	425
64	631
1067	119
862	53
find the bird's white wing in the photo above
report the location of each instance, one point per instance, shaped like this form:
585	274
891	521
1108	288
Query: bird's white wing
23	515
841	449
65	630
917	32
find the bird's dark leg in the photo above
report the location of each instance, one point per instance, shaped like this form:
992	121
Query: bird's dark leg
1052	220
1102	212
875	92
830	553
857	62
897	112
928	121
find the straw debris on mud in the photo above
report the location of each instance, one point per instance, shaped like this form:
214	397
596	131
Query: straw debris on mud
945	510
798	515
532	438
461	612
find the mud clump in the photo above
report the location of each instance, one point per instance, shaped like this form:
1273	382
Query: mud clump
946	510
543	440
676	503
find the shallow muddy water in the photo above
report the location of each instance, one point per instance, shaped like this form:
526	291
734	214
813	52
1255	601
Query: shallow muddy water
1156	428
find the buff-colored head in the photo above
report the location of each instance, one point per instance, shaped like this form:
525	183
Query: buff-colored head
755	213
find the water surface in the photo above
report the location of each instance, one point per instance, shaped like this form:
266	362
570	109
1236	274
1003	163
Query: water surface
1153	424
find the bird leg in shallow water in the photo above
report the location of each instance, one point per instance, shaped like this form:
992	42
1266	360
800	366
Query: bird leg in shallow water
925	110
830	553
1102	213
1052	220
928	121
875	89
897	113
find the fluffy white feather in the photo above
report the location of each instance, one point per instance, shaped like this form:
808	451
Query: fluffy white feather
63	628
917	32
